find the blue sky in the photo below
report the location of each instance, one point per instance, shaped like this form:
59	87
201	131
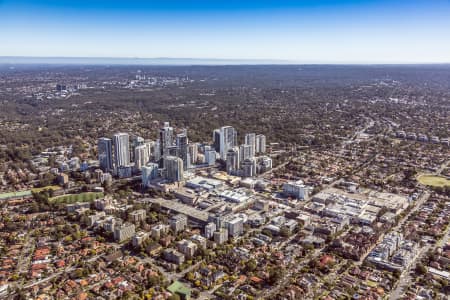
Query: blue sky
320	31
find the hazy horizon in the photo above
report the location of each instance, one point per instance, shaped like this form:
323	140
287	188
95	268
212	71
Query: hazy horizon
180	61
305	31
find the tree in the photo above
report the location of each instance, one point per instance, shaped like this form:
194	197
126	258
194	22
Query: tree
275	274
284	231
251	265
421	269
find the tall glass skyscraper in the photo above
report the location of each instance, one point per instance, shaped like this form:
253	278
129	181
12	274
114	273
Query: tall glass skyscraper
122	149
105	156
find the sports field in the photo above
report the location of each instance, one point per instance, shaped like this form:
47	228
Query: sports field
5	196
433	180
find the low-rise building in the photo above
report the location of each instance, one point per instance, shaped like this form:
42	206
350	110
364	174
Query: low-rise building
296	189
137	216
210	228
178	223
124	232
187	247
221	236
199	240
139	238
159	230
173	256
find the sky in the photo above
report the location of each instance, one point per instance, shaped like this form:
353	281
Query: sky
302	31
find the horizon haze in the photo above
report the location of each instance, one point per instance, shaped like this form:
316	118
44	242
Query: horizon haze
311	32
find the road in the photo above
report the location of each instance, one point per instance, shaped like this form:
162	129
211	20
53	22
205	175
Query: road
442	167
405	278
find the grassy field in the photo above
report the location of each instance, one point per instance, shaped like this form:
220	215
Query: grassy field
15	194
433	180
72	198
50	187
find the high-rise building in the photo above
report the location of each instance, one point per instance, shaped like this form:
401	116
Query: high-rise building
260	143
121	149
250	139
141	156
173	168
149	172
249	167
245	151
216	140
105	155
135	141
157	151
166	138
210	156
172	151
228	140
182	149
193	154
232	160
149	148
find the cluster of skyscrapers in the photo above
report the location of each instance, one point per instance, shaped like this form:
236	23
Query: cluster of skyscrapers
172	154
240	160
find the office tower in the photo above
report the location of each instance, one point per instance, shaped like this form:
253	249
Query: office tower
166	138
245	152
149	172
260	143
105	155
228	139
249	167
149	148
141	156
232	160
210	156
216	140
182	149
172	151
173	168
157	151
135	141
193	153
121	149
250	139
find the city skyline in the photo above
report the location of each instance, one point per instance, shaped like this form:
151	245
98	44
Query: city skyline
250	32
